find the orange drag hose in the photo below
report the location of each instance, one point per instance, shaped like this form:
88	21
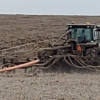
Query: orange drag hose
20	66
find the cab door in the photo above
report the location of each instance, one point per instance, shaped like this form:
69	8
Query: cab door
95	35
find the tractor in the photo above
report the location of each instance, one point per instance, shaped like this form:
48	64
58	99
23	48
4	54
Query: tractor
80	49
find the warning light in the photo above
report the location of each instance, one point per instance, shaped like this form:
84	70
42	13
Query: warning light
87	22
73	22
79	48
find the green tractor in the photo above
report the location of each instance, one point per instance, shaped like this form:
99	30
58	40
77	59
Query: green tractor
84	38
80	48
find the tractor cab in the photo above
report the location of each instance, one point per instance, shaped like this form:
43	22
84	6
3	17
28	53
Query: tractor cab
81	33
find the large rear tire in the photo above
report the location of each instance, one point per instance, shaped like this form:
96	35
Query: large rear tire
91	52
92	55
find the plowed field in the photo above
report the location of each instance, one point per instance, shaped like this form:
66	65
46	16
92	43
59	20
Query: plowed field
21	36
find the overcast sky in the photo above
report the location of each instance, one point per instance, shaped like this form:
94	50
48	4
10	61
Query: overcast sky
50	7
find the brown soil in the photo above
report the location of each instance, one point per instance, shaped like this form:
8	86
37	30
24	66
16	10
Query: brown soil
21	37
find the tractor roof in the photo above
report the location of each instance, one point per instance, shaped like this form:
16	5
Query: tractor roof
81	25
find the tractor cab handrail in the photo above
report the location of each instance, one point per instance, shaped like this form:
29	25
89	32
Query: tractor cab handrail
68	31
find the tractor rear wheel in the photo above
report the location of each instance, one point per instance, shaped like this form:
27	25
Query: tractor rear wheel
91	54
